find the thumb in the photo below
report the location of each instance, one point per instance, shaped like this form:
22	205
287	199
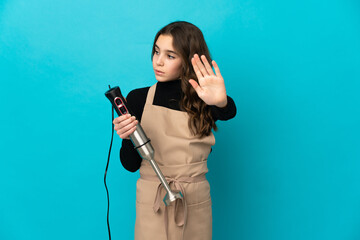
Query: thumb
195	85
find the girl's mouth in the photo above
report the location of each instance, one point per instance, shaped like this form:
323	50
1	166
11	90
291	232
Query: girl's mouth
157	72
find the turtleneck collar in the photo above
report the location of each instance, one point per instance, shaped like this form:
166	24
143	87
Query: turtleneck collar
170	84
168	94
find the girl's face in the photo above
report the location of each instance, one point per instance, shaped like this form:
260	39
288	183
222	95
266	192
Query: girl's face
166	61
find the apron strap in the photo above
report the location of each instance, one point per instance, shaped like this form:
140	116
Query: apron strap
151	94
180	215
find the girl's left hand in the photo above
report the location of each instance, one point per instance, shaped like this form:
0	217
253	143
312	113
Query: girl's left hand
211	87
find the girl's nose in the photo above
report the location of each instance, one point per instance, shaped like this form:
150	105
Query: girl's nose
159	60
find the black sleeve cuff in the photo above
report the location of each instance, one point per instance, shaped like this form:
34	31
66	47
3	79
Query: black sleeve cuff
225	113
129	157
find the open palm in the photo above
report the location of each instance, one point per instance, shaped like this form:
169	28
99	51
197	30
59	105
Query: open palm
211	86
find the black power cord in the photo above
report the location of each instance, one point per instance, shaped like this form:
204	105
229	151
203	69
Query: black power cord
107	165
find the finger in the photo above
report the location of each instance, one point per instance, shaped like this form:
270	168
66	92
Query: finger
127	133
124	132
216	67
121	118
196	86
124	123
196	69
126	128
119	121
207	65
200	65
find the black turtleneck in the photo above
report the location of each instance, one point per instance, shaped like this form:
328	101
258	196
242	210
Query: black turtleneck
167	94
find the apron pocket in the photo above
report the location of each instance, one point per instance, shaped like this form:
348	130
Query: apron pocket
199	221
148	225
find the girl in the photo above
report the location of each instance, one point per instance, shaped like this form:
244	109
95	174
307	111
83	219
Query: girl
178	114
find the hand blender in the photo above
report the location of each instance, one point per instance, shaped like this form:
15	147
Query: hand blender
142	143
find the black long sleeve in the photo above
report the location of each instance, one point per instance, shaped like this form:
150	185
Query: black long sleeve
167	94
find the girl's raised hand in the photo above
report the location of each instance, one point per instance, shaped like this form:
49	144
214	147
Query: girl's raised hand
211	86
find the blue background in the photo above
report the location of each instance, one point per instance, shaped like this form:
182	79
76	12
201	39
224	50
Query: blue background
287	167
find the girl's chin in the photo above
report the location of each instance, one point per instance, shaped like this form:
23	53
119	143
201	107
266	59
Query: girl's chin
164	79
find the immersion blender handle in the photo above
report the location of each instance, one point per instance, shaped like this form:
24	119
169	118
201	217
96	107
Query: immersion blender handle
138	137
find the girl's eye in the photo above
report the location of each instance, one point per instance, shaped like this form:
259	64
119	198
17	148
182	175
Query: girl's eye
171	57
156	52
